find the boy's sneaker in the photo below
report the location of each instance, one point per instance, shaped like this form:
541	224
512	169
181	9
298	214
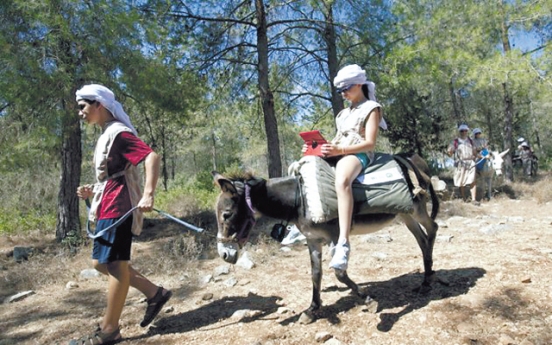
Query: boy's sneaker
340	258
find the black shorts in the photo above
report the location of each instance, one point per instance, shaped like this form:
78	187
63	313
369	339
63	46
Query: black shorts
115	244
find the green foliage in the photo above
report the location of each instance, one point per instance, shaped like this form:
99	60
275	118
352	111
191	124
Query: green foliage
187	196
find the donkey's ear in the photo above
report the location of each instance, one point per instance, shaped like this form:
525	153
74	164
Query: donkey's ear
225	184
503	153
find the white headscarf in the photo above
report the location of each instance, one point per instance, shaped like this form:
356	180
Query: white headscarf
100	93
353	75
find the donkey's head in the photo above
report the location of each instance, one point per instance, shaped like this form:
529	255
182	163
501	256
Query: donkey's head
497	161
235	216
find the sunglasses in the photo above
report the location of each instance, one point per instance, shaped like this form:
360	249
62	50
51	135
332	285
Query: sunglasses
464	130
345	88
82	105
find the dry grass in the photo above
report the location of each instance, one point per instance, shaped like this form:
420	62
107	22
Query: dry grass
538	188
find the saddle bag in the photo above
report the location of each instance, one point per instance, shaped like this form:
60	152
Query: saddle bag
382	188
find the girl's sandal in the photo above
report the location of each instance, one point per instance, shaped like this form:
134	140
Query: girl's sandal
99	338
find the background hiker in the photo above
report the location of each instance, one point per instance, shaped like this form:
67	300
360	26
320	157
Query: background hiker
463	150
117	190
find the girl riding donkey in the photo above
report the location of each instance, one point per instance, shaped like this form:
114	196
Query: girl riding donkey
354	144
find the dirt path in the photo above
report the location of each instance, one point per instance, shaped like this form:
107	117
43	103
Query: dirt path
494	286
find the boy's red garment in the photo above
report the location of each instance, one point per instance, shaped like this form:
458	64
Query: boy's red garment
127	148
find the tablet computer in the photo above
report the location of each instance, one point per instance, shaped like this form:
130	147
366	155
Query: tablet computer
314	141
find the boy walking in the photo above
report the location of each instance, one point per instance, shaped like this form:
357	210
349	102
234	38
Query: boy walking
118	152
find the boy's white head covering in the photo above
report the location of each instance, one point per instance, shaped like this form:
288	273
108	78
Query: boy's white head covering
524	144
463	127
100	93
353	75
477	131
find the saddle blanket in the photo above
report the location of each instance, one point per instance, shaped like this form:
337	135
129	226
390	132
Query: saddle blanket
382	188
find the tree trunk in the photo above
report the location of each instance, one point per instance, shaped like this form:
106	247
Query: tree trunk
508	103
457	115
71	158
164	169
267	98
333	64
508	117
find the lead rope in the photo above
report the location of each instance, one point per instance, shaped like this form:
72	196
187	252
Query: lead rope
126	215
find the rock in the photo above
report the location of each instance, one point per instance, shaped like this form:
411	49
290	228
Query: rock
71	285
305	319
516	219
231	282
207	296
222	270
22	253
526	342
206	279
493	229
383	238
19	296
169	310
526	280
379	255
505	339
285	249
283	310
444	238
245	262
466	327
321	337
89	273
442	225
332	341
243	313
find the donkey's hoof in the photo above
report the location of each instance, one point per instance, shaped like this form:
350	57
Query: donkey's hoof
370	305
307	317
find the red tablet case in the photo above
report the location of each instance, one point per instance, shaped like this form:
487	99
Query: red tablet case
314	141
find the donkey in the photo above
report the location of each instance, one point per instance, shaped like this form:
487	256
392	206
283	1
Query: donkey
491	167
281	198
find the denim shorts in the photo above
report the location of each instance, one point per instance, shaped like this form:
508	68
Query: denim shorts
364	160
115	244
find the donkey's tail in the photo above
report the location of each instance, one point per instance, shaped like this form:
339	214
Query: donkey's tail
434	201
421	171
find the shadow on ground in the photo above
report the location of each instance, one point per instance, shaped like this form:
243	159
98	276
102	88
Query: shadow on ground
401	292
214	313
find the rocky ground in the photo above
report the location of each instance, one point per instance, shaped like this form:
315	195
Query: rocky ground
493	286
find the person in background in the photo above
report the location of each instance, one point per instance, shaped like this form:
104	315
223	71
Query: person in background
117	153
463	150
526	156
481	146
353	145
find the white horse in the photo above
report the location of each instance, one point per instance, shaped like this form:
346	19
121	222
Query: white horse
492	166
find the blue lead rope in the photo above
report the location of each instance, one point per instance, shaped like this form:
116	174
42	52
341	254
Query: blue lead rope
126	215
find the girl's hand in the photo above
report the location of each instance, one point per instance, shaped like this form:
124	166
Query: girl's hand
330	150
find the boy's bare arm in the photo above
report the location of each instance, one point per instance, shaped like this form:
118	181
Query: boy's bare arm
152	164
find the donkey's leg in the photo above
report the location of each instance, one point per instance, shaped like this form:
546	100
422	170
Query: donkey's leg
489	187
425	239
315	251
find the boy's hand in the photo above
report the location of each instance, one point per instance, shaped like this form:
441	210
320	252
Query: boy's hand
146	203
84	192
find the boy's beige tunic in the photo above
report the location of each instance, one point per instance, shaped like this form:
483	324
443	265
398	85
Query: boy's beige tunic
132	177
